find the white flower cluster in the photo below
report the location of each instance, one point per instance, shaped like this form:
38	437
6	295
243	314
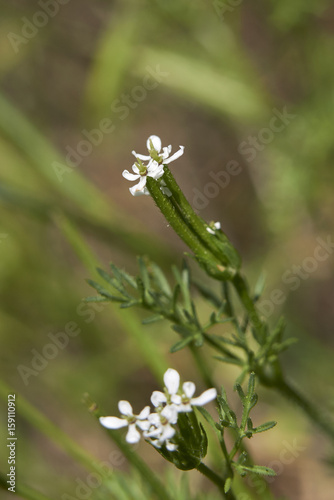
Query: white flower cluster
155	167
157	427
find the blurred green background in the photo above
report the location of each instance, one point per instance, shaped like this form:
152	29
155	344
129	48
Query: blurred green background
211	76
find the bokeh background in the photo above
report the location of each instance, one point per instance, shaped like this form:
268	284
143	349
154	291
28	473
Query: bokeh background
211	76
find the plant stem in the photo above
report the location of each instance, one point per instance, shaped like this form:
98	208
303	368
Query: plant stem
310	409
241	287
217	480
202	366
172	215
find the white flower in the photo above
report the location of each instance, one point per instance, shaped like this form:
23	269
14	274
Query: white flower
161	430
213	227
183	399
155	167
141	172
128	419
154	147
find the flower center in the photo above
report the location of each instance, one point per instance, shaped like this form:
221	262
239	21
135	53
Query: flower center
141	167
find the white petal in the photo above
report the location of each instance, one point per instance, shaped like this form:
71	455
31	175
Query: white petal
155	443
154	419
144	413
156	142
144	425
217	225
133	435
185	408
113	422
209	230
172	380
130	177
175	156
171	446
135	169
158	398
168	433
166	152
176	399
141	157
156	173
204	398
138	189
189	389
125	408
170	414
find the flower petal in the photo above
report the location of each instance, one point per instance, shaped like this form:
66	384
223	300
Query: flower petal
171	446
166	152
144	413
133	436
204	398
130	177
113	422
170	413
167	433
138	189
144	425
156	173
125	408
176	399
156	143
217	225
209	230
141	157
189	389
158	398
172	381
175	156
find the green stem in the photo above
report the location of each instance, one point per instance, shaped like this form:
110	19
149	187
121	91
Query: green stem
195	222
202	366
172	215
217	480
242	290
310	409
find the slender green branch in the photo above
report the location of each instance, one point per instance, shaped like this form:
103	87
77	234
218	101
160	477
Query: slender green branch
313	412
217	480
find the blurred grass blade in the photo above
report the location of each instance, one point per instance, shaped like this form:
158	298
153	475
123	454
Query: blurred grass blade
111	61
22	490
40	155
196	80
129	321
